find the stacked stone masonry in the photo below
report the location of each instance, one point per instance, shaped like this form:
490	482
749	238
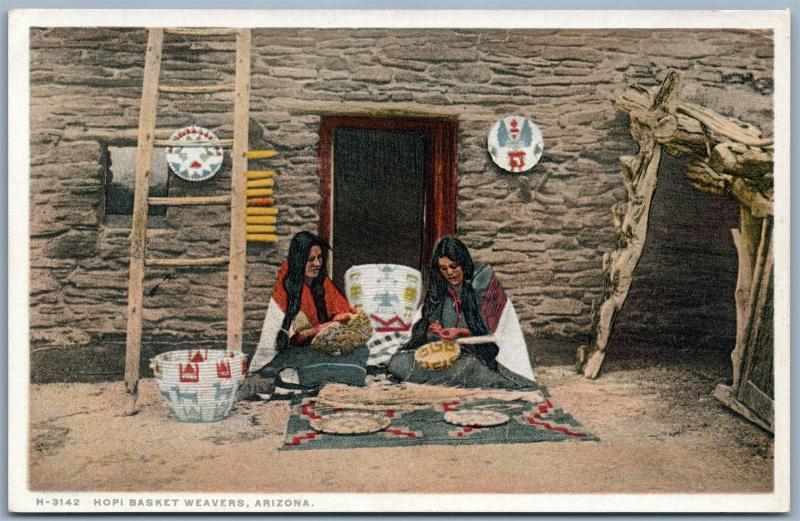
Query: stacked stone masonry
544	231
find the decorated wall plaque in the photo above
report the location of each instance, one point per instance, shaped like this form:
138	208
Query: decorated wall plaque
515	144
192	162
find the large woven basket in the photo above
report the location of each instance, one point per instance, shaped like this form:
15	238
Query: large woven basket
199	385
388	293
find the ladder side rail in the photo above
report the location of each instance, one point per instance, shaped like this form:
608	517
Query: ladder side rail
144	152
238	244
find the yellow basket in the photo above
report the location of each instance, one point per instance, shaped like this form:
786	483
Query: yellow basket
437	355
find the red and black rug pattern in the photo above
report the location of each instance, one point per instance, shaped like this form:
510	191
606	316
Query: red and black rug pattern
528	423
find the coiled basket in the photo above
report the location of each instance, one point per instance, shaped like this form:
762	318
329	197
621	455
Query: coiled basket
199	385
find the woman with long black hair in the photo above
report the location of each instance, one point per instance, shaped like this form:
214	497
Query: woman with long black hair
303	294
465	300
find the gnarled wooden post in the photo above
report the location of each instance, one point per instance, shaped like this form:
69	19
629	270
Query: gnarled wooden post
630	218
730	158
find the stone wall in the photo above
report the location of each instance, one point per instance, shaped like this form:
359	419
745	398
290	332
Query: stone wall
544	231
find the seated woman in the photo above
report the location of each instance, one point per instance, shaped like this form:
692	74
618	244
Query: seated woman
303	294
463	300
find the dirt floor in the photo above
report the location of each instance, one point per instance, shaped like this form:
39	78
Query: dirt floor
660	430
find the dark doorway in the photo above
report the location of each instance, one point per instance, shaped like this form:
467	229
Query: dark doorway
378	186
388	189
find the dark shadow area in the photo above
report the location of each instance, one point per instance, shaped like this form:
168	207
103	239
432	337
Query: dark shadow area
680	311
553	351
378	201
682	295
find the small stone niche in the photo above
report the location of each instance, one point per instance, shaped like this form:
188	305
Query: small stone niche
119	164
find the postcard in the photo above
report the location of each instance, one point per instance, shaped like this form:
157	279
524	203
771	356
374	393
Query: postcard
398	261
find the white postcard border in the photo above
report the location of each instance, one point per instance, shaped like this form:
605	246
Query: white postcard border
20	22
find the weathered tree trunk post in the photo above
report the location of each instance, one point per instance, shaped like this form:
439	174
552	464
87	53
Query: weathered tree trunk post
640	173
730	158
746	239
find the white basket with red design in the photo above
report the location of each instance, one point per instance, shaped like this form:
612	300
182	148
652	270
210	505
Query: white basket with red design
199	385
388	293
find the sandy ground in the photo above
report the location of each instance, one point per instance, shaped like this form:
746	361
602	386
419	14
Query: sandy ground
660	430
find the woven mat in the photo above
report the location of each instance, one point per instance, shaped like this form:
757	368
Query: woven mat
529	423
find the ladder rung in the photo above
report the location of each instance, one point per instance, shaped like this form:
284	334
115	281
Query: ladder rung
261	211
261	154
259	183
208	261
193	144
253	192
261	237
190	201
195	89
259	174
190	31
259	219
259	228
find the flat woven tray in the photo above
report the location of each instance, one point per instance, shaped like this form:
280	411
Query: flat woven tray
437	355
350	422
475	418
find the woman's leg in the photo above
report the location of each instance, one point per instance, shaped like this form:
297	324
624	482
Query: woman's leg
314	370
318	369
467	371
263	380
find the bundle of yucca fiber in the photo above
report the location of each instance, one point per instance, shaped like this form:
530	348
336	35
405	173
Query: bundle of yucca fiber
409	396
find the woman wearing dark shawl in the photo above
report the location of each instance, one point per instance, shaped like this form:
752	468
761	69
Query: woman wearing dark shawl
464	300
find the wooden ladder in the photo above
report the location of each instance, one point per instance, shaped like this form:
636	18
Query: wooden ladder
236	260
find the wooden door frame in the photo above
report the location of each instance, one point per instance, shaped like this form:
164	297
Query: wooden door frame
441	172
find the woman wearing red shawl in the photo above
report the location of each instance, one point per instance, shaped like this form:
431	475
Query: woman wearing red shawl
303	289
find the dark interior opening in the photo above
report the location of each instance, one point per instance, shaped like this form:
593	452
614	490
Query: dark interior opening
378	198
388	188
119	165
682	294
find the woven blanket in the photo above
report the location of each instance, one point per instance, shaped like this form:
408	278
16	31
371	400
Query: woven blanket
528	423
383	345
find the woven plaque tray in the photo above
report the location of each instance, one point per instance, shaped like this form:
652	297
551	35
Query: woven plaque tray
475	418
194	163
350	422
437	355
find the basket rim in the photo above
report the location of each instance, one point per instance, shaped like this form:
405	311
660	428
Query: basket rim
235	354
371	264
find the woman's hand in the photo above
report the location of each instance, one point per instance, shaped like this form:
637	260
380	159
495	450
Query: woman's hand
342	317
303	337
322	327
435	328
451	333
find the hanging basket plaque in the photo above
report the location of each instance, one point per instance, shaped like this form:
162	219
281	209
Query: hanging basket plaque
194	163
515	144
